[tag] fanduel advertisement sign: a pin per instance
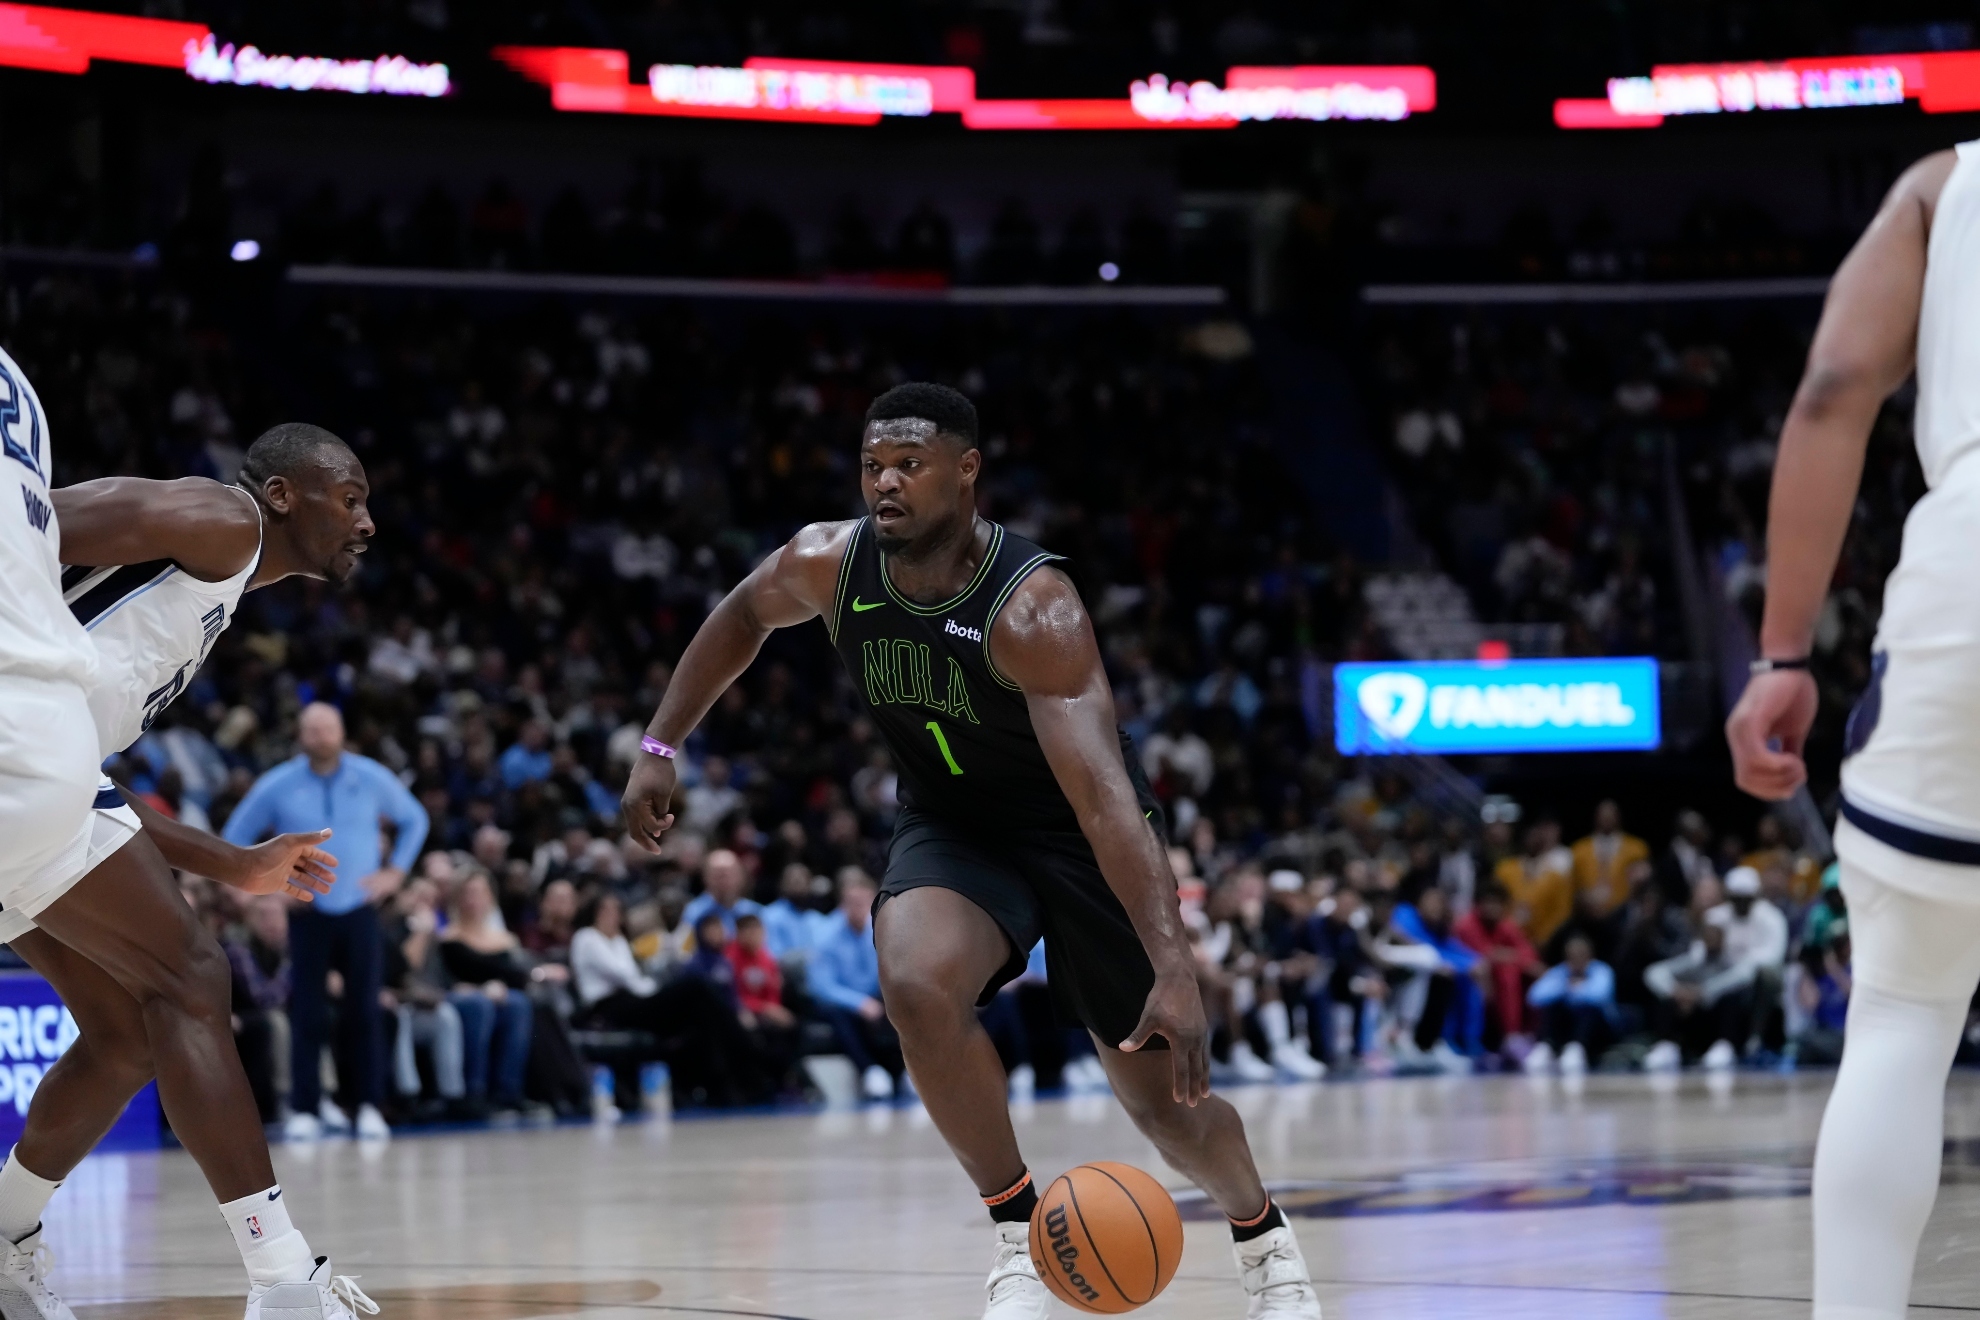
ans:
(1503, 706)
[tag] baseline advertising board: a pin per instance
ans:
(1497, 706)
(36, 1030)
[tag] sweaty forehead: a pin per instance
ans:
(901, 431)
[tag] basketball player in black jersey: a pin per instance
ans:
(1021, 819)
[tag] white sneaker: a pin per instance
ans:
(877, 1083)
(1014, 1288)
(1086, 1075)
(371, 1125)
(24, 1294)
(323, 1296)
(1247, 1065)
(1722, 1057)
(302, 1128)
(1448, 1060)
(1574, 1060)
(1664, 1057)
(1539, 1060)
(1275, 1279)
(336, 1122)
(1293, 1059)
(1023, 1082)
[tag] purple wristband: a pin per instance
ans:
(655, 746)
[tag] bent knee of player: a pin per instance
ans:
(192, 979)
(924, 995)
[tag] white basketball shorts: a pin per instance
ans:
(52, 833)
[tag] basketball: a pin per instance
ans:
(1106, 1238)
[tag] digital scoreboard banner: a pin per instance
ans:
(1452, 706)
(1941, 82)
(35, 1031)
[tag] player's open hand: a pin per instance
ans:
(649, 792)
(1766, 732)
(1174, 1012)
(289, 864)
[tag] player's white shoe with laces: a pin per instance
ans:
(1276, 1283)
(322, 1296)
(24, 1294)
(1015, 1292)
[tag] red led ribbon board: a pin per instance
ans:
(1942, 82)
(844, 92)
(66, 40)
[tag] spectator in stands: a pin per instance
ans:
(722, 880)
(547, 932)
(1420, 939)
(259, 957)
(354, 796)
(1688, 860)
(1266, 967)
(1511, 964)
(759, 983)
(707, 803)
(1576, 1001)
(528, 759)
(1655, 929)
(1704, 1002)
(690, 1022)
(491, 980)
(418, 993)
(1824, 993)
(790, 923)
(1756, 939)
(1605, 863)
(1350, 983)
(1540, 882)
(710, 959)
(845, 988)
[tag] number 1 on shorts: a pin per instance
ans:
(943, 743)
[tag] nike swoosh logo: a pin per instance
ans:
(861, 609)
(275, 1195)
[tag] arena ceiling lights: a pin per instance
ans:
(1942, 82)
(838, 92)
(69, 40)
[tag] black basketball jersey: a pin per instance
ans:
(960, 731)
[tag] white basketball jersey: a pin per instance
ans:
(38, 637)
(1947, 421)
(153, 625)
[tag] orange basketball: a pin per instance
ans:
(1106, 1238)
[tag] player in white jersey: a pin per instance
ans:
(1908, 296)
(149, 987)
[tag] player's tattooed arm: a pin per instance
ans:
(210, 530)
(793, 585)
(1043, 641)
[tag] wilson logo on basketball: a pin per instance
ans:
(1066, 1254)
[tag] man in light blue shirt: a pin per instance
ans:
(722, 881)
(528, 759)
(354, 796)
(1577, 1009)
(844, 982)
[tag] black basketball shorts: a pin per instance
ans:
(1035, 884)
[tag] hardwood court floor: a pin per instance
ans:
(1491, 1197)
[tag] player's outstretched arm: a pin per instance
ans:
(1864, 349)
(1043, 641)
(288, 863)
(794, 584)
(210, 530)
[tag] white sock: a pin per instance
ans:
(271, 1248)
(23, 1196)
(1272, 1016)
(1877, 1161)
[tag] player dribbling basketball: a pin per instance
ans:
(1021, 820)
